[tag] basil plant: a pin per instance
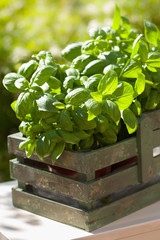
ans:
(96, 98)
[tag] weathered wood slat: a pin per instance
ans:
(156, 138)
(155, 117)
(88, 220)
(124, 206)
(87, 192)
(50, 209)
(83, 162)
(145, 149)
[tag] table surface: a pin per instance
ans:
(17, 224)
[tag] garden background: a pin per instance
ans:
(28, 26)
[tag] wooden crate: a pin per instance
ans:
(90, 189)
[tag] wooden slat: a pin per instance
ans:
(123, 207)
(48, 181)
(88, 220)
(155, 116)
(85, 192)
(156, 138)
(145, 149)
(83, 162)
(50, 209)
(113, 183)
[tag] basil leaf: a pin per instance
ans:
(68, 137)
(151, 32)
(116, 18)
(136, 108)
(153, 60)
(132, 69)
(25, 105)
(65, 121)
(130, 120)
(43, 74)
(42, 145)
(14, 82)
(97, 33)
(94, 108)
(27, 69)
(86, 143)
(80, 117)
(111, 109)
(77, 96)
(143, 52)
(45, 103)
(72, 51)
(139, 84)
(102, 123)
(123, 95)
(136, 45)
(153, 100)
(97, 96)
(57, 151)
(108, 83)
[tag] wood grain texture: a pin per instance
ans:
(83, 162)
(87, 220)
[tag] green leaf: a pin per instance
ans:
(80, 117)
(97, 96)
(25, 105)
(14, 82)
(27, 69)
(143, 52)
(65, 121)
(153, 60)
(139, 84)
(108, 83)
(95, 67)
(43, 74)
(86, 143)
(126, 23)
(111, 109)
(81, 61)
(151, 32)
(92, 82)
(94, 108)
(45, 103)
(42, 146)
(54, 82)
(97, 33)
(153, 100)
(123, 95)
(116, 18)
(57, 151)
(136, 45)
(130, 120)
(136, 108)
(77, 96)
(109, 136)
(68, 137)
(102, 123)
(132, 69)
(72, 51)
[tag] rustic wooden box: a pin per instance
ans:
(90, 189)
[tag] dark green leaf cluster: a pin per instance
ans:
(112, 78)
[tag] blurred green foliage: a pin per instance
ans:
(28, 26)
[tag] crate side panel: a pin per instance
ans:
(50, 209)
(48, 181)
(82, 162)
(123, 207)
(112, 154)
(116, 182)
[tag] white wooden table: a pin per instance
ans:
(17, 224)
